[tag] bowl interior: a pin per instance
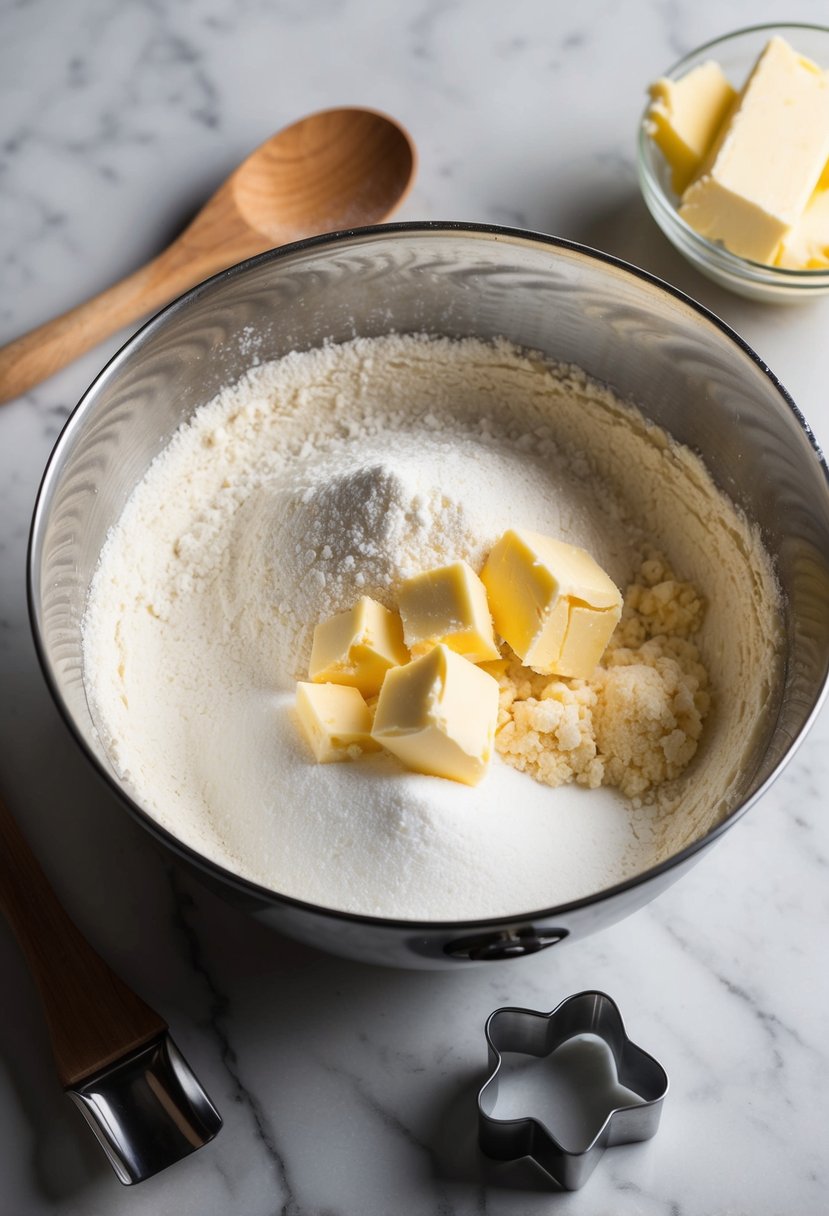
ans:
(685, 370)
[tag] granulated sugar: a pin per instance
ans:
(340, 472)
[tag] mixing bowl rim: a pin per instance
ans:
(344, 238)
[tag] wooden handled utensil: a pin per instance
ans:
(114, 1055)
(340, 168)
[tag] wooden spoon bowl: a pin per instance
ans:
(337, 169)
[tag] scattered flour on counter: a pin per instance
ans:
(339, 472)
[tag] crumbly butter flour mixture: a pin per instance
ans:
(342, 471)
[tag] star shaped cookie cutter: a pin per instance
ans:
(539, 1034)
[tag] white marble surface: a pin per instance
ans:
(349, 1090)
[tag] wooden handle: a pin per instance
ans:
(215, 239)
(93, 1017)
(45, 350)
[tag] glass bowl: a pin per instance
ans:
(736, 54)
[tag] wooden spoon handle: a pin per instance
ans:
(93, 1017)
(45, 350)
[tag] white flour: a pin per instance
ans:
(354, 522)
(340, 472)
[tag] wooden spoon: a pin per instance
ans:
(335, 169)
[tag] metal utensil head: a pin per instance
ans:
(147, 1110)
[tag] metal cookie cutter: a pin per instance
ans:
(539, 1034)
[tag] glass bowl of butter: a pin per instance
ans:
(734, 160)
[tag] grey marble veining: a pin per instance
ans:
(349, 1090)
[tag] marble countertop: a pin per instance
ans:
(347, 1089)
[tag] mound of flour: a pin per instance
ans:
(339, 472)
(306, 545)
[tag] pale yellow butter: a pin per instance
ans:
(686, 115)
(438, 715)
(447, 605)
(551, 601)
(336, 721)
(497, 668)
(758, 177)
(806, 247)
(358, 647)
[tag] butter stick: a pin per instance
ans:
(763, 168)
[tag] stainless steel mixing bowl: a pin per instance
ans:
(685, 369)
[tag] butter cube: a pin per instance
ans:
(552, 602)
(358, 647)
(438, 715)
(447, 605)
(686, 115)
(336, 721)
(765, 163)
